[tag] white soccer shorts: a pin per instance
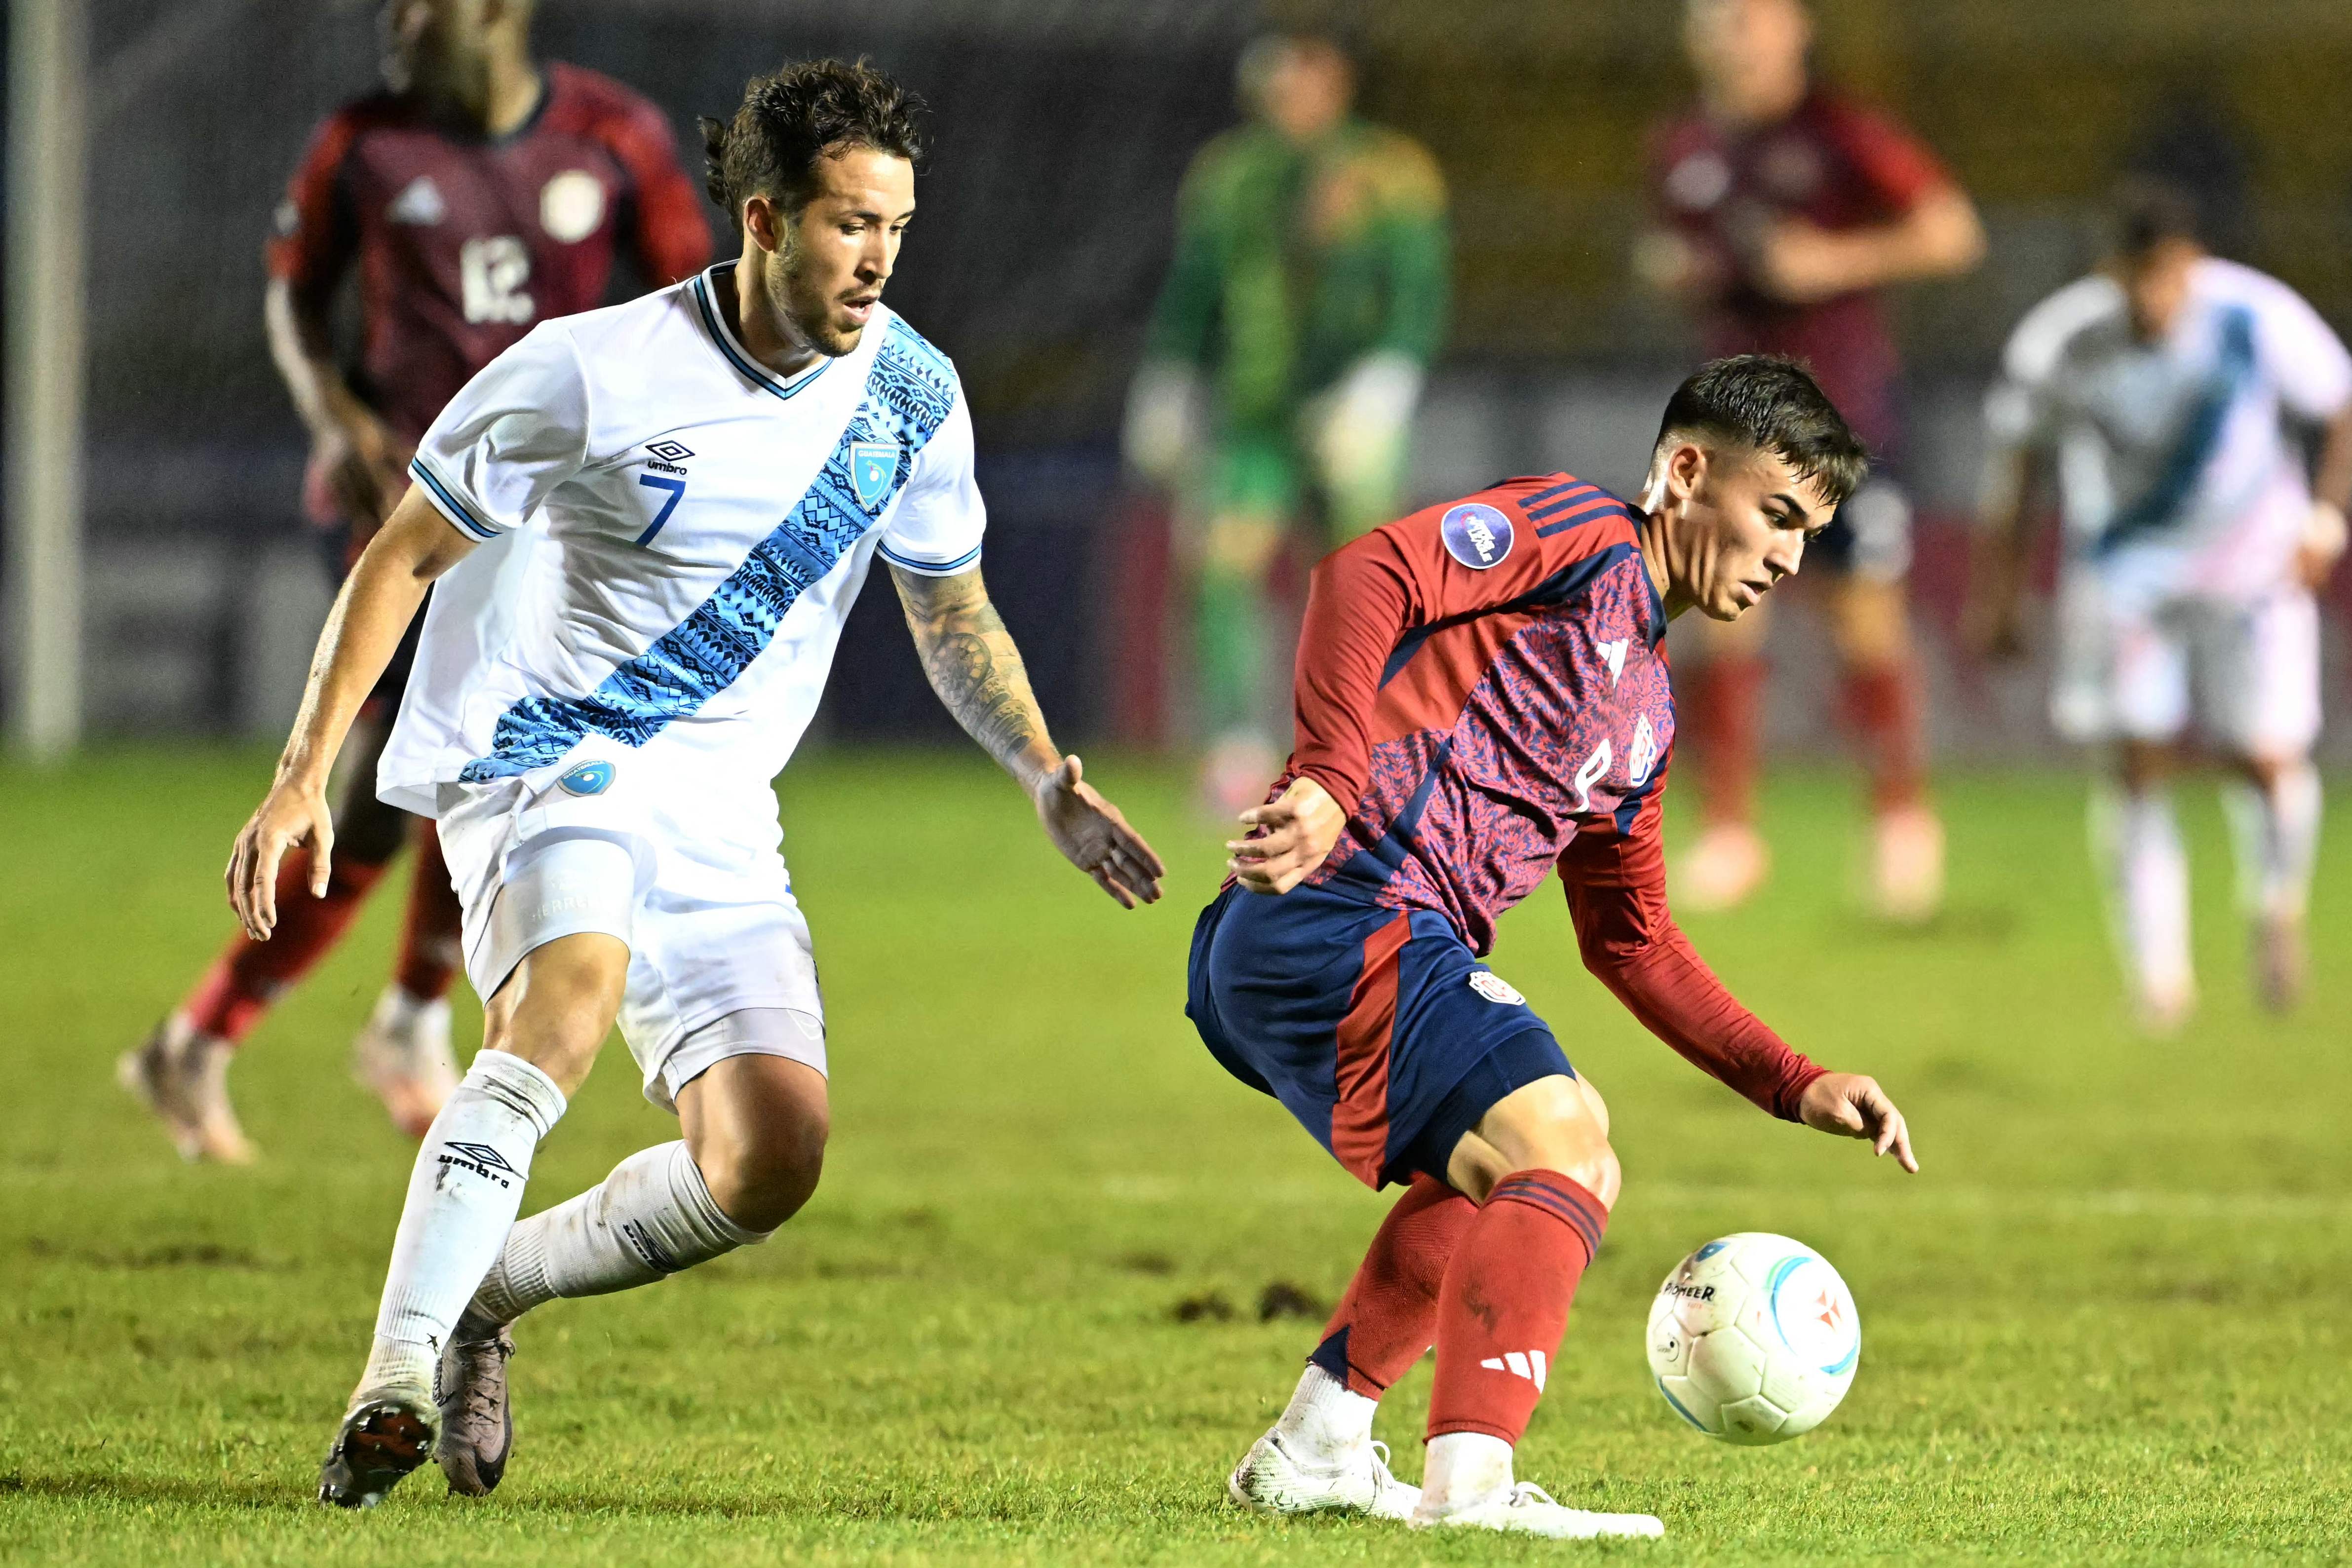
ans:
(720, 957)
(2247, 671)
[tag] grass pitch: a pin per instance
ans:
(1020, 1322)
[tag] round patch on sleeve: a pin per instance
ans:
(1477, 535)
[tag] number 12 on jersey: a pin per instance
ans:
(677, 489)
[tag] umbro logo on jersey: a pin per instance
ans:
(1477, 535)
(668, 455)
(481, 1159)
(419, 202)
(1527, 1364)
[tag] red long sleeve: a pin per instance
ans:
(1362, 600)
(1617, 895)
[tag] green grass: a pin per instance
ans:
(2106, 1325)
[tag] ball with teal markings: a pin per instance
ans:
(1754, 1339)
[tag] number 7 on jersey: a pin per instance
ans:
(677, 489)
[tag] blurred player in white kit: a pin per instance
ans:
(2196, 537)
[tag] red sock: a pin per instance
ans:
(430, 940)
(1505, 1303)
(1882, 704)
(1388, 1319)
(248, 975)
(1722, 722)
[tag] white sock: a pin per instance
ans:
(462, 1198)
(1327, 1423)
(651, 1217)
(1464, 1468)
(2275, 832)
(2136, 842)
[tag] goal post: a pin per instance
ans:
(47, 135)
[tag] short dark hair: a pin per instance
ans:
(1767, 402)
(813, 109)
(2147, 213)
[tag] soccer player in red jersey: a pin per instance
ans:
(477, 193)
(1782, 208)
(1482, 696)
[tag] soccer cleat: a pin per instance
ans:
(476, 1422)
(2279, 962)
(1270, 1480)
(387, 1433)
(1527, 1509)
(1907, 866)
(1723, 869)
(181, 1075)
(402, 1056)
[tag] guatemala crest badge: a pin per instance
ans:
(872, 465)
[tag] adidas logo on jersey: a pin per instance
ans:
(1614, 655)
(1529, 1364)
(419, 202)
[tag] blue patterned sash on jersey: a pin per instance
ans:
(2199, 439)
(909, 392)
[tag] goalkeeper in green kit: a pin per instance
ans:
(1307, 296)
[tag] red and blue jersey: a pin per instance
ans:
(1482, 686)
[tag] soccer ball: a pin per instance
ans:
(1754, 1339)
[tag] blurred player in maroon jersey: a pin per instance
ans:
(1781, 208)
(476, 194)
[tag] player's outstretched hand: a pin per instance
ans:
(1854, 1107)
(1091, 833)
(291, 813)
(1287, 838)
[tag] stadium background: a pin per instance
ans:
(1027, 1317)
(1062, 130)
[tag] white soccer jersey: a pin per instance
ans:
(674, 537)
(2176, 472)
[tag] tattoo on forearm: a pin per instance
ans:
(976, 671)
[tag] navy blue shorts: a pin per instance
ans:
(1378, 1029)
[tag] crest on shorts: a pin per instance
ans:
(588, 779)
(1496, 988)
(1477, 535)
(872, 465)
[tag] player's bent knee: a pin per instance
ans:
(757, 1126)
(1556, 1123)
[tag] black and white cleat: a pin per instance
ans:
(385, 1434)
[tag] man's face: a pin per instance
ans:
(2155, 286)
(1747, 52)
(438, 47)
(840, 249)
(1746, 519)
(1306, 89)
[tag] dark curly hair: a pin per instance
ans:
(1766, 402)
(788, 121)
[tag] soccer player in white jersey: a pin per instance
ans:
(648, 523)
(2196, 536)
